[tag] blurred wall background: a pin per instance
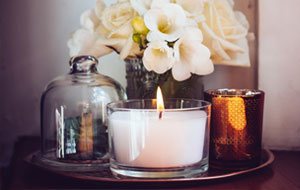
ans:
(279, 68)
(33, 51)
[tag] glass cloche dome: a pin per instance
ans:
(73, 117)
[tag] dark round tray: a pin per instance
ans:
(104, 174)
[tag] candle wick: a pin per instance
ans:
(160, 114)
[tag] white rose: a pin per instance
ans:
(141, 6)
(85, 41)
(225, 33)
(158, 57)
(115, 27)
(192, 7)
(192, 57)
(165, 22)
(89, 20)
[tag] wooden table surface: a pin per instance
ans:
(284, 173)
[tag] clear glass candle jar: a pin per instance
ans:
(145, 143)
(73, 116)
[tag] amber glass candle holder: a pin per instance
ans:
(236, 128)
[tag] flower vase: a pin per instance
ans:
(142, 84)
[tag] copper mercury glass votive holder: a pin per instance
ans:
(236, 128)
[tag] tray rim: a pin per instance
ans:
(76, 175)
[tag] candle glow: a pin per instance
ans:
(237, 113)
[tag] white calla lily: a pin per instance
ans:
(165, 22)
(192, 57)
(158, 57)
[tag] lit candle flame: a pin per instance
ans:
(160, 102)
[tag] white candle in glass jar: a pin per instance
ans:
(141, 139)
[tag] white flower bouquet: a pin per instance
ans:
(184, 36)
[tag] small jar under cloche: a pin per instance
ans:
(73, 117)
